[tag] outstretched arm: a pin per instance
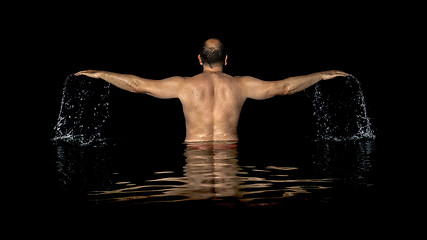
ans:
(166, 88)
(258, 89)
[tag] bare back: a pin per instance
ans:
(212, 102)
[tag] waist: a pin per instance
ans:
(212, 145)
(228, 141)
(210, 136)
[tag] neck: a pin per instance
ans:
(212, 69)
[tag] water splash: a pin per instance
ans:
(342, 115)
(84, 111)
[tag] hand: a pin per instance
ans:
(90, 73)
(326, 75)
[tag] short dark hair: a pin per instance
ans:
(213, 55)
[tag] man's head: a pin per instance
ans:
(213, 53)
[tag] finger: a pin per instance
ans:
(344, 74)
(81, 73)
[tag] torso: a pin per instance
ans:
(212, 103)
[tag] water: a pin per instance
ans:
(84, 111)
(341, 114)
(336, 167)
(304, 173)
(214, 173)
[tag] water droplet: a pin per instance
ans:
(342, 115)
(83, 112)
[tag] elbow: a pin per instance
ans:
(288, 90)
(132, 88)
(137, 88)
(134, 85)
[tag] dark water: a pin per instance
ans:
(228, 175)
(336, 167)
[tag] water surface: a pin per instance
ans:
(301, 172)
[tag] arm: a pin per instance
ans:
(166, 88)
(260, 90)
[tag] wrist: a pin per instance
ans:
(323, 76)
(318, 76)
(102, 74)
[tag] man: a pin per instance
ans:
(212, 100)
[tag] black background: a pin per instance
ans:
(270, 42)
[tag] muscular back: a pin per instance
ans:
(212, 102)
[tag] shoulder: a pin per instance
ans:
(248, 80)
(174, 78)
(193, 78)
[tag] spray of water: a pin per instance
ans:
(84, 111)
(341, 116)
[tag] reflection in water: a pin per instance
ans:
(211, 171)
(82, 168)
(215, 173)
(358, 157)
